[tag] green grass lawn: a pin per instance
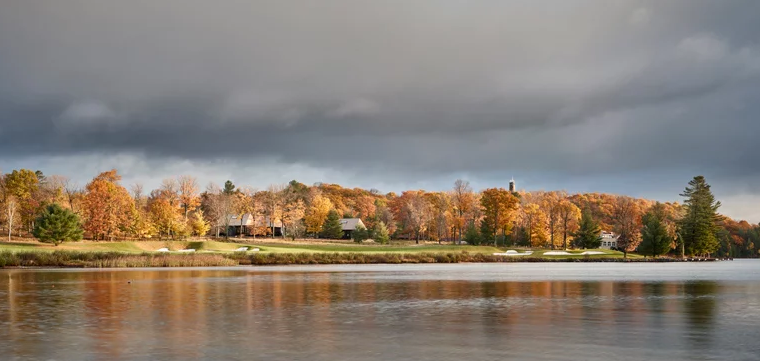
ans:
(18, 246)
(213, 246)
(126, 247)
(321, 248)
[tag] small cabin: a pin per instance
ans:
(348, 225)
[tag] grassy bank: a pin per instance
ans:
(120, 246)
(397, 258)
(228, 246)
(76, 259)
(208, 252)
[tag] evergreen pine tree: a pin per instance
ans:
(472, 236)
(57, 225)
(655, 239)
(360, 234)
(699, 226)
(380, 233)
(588, 235)
(486, 231)
(229, 188)
(332, 228)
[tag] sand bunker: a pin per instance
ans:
(565, 253)
(514, 253)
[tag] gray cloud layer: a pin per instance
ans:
(419, 89)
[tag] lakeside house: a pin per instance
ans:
(249, 225)
(349, 226)
(609, 240)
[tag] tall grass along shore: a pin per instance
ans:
(76, 259)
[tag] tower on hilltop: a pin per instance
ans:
(512, 187)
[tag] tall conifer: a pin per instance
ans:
(332, 227)
(588, 235)
(655, 239)
(699, 225)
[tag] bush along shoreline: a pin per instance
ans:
(74, 259)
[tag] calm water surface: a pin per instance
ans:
(598, 311)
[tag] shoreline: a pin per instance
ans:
(74, 259)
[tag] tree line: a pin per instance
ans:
(178, 208)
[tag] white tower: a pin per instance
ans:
(512, 187)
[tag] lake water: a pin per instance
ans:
(531, 311)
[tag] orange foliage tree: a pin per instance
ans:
(499, 206)
(107, 207)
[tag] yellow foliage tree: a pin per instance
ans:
(188, 194)
(198, 224)
(569, 215)
(317, 213)
(535, 224)
(165, 216)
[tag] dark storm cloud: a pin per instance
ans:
(439, 87)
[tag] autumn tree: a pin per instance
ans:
(440, 203)
(165, 216)
(188, 194)
(499, 206)
(588, 235)
(73, 193)
(464, 202)
(138, 195)
(20, 187)
(273, 205)
(249, 201)
(217, 206)
(551, 205)
(107, 206)
(332, 228)
(366, 209)
(700, 223)
(169, 190)
(600, 206)
(535, 225)
(569, 214)
(292, 217)
(9, 209)
(240, 207)
(655, 239)
(142, 225)
(198, 224)
(627, 224)
(385, 215)
(317, 213)
(416, 211)
(51, 191)
(57, 225)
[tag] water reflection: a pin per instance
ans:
(700, 306)
(237, 314)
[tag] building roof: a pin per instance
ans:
(248, 220)
(234, 219)
(350, 224)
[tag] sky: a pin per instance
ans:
(626, 97)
